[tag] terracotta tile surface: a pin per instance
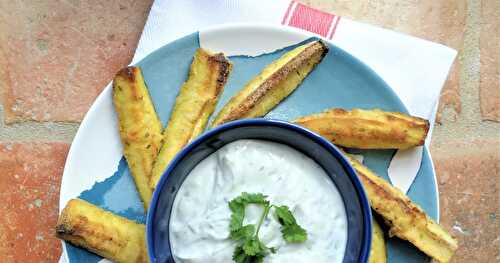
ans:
(439, 21)
(490, 60)
(29, 189)
(468, 178)
(58, 55)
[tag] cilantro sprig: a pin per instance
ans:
(250, 249)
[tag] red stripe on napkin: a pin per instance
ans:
(285, 18)
(334, 27)
(310, 19)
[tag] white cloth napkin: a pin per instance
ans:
(414, 68)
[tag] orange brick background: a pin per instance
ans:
(57, 55)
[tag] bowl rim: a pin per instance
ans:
(330, 147)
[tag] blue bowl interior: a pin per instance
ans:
(323, 152)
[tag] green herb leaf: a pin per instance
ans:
(254, 247)
(237, 215)
(247, 198)
(243, 233)
(284, 215)
(239, 256)
(292, 232)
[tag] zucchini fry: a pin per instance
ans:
(193, 106)
(368, 129)
(407, 220)
(104, 233)
(378, 252)
(140, 128)
(278, 80)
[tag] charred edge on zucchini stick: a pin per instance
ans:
(193, 106)
(140, 128)
(101, 232)
(406, 219)
(368, 129)
(273, 84)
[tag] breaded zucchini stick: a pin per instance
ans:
(407, 220)
(273, 84)
(368, 129)
(378, 253)
(193, 106)
(104, 233)
(140, 128)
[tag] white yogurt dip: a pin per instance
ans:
(199, 223)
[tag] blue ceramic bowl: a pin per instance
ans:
(323, 152)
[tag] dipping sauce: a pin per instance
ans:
(199, 223)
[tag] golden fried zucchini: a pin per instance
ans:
(273, 84)
(407, 220)
(368, 129)
(104, 233)
(378, 253)
(140, 128)
(193, 106)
